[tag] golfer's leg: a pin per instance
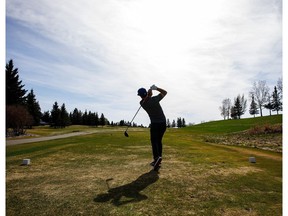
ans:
(153, 138)
(161, 131)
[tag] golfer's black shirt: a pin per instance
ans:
(152, 106)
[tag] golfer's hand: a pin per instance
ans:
(153, 87)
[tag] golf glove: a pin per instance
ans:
(153, 87)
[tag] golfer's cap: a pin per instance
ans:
(142, 92)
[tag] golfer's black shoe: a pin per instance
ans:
(157, 163)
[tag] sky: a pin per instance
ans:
(94, 55)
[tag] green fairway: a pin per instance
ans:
(108, 174)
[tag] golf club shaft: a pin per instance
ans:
(133, 118)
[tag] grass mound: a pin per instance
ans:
(262, 132)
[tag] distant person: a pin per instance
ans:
(158, 120)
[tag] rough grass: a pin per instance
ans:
(262, 132)
(109, 174)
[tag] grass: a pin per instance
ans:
(109, 174)
(50, 131)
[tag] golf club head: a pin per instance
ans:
(126, 134)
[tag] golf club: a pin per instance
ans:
(125, 133)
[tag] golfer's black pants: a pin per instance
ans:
(157, 131)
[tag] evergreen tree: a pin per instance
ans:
(173, 125)
(33, 107)
(168, 124)
(276, 101)
(269, 104)
(102, 120)
(253, 107)
(64, 117)
(239, 107)
(46, 117)
(233, 113)
(179, 122)
(15, 94)
(55, 115)
(183, 122)
(85, 118)
(96, 119)
(76, 117)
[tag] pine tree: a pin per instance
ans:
(46, 117)
(102, 120)
(183, 122)
(253, 107)
(56, 115)
(15, 94)
(96, 119)
(64, 117)
(76, 117)
(239, 107)
(33, 107)
(173, 125)
(168, 124)
(179, 122)
(276, 101)
(269, 104)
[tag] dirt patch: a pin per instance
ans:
(270, 142)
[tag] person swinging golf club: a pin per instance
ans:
(158, 120)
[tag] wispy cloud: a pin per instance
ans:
(103, 51)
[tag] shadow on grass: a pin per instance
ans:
(130, 192)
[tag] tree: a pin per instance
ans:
(168, 124)
(55, 115)
(33, 107)
(46, 117)
(260, 91)
(76, 117)
(239, 107)
(17, 117)
(179, 122)
(276, 101)
(269, 105)
(15, 94)
(183, 122)
(102, 120)
(173, 125)
(279, 88)
(225, 108)
(253, 107)
(64, 117)
(96, 119)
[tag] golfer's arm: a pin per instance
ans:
(162, 91)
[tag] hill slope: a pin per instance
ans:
(261, 132)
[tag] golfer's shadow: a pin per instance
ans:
(129, 192)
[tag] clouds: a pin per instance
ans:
(201, 52)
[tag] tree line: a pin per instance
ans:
(260, 97)
(180, 122)
(59, 117)
(23, 110)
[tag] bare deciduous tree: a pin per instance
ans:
(225, 108)
(260, 90)
(17, 118)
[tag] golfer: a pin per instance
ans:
(158, 120)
